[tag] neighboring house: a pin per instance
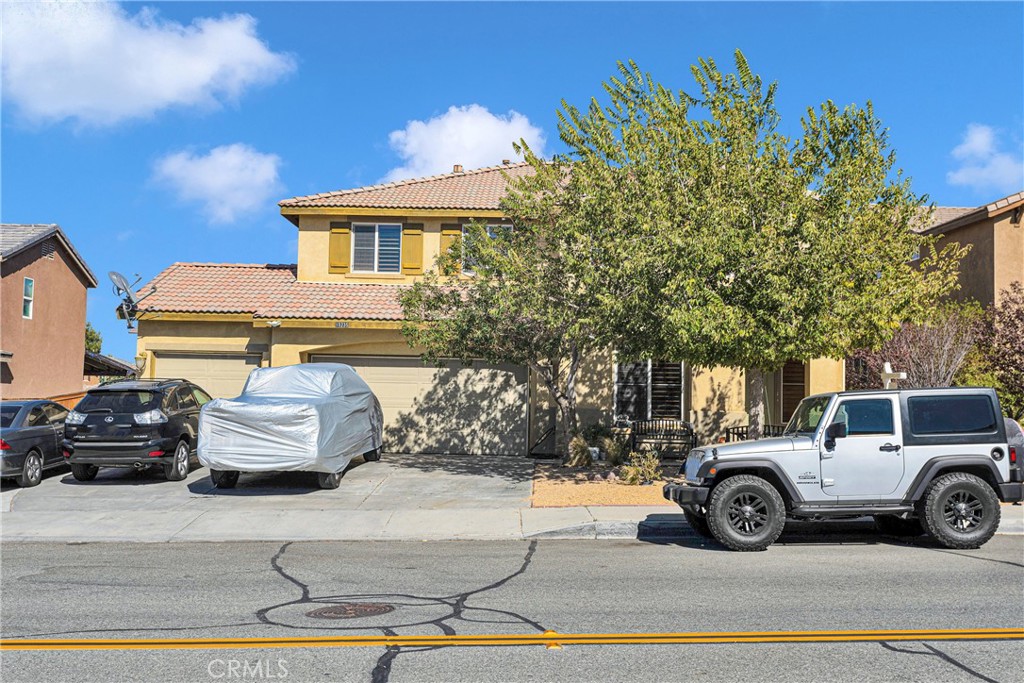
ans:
(99, 367)
(996, 236)
(213, 323)
(43, 299)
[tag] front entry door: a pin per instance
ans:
(868, 462)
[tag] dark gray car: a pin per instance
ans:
(31, 433)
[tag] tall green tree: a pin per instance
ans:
(690, 227)
(754, 246)
(93, 339)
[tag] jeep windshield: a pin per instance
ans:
(119, 402)
(807, 416)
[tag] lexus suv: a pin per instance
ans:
(138, 424)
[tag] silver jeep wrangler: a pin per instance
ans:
(918, 460)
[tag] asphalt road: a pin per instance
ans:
(819, 582)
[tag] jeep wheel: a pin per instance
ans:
(891, 525)
(84, 472)
(698, 522)
(177, 469)
(746, 513)
(960, 510)
(224, 479)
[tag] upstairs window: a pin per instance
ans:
(468, 264)
(649, 390)
(28, 298)
(376, 248)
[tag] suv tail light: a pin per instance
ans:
(4, 446)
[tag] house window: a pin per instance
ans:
(28, 297)
(649, 390)
(468, 265)
(376, 248)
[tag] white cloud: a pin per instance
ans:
(982, 166)
(471, 136)
(229, 182)
(97, 64)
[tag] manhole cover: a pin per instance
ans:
(351, 610)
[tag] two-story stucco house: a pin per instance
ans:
(43, 301)
(357, 248)
(996, 236)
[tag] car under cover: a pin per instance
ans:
(313, 417)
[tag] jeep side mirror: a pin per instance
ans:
(836, 430)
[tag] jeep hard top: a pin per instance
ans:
(917, 460)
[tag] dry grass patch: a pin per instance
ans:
(555, 486)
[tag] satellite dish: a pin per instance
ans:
(129, 307)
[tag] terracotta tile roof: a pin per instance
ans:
(482, 188)
(948, 218)
(266, 291)
(941, 216)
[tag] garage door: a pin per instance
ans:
(221, 375)
(481, 409)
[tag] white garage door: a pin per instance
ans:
(480, 409)
(221, 375)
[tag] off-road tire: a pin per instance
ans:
(329, 480)
(699, 523)
(177, 469)
(84, 472)
(960, 510)
(746, 513)
(372, 456)
(224, 479)
(891, 525)
(31, 471)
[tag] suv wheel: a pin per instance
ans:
(330, 480)
(224, 479)
(84, 472)
(746, 513)
(892, 525)
(31, 471)
(960, 510)
(177, 470)
(698, 522)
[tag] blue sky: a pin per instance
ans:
(166, 132)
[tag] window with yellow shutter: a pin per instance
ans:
(340, 247)
(412, 249)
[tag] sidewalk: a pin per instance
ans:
(409, 498)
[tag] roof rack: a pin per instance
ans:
(154, 380)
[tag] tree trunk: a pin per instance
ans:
(756, 378)
(565, 399)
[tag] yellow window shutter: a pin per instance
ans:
(340, 249)
(450, 234)
(412, 249)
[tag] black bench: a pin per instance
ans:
(743, 433)
(671, 432)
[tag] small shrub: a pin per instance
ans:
(579, 453)
(595, 433)
(616, 448)
(643, 468)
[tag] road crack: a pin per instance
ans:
(456, 608)
(935, 652)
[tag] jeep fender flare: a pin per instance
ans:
(932, 467)
(725, 466)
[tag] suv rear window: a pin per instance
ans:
(963, 414)
(119, 402)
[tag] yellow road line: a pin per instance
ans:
(548, 638)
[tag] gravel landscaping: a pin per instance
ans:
(556, 486)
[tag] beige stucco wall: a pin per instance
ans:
(49, 348)
(822, 375)
(161, 334)
(717, 400)
(1009, 252)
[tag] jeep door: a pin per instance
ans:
(866, 463)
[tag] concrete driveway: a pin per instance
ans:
(395, 497)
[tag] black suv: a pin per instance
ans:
(135, 423)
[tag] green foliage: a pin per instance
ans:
(595, 432)
(1002, 349)
(93, 339)
(643, 467)
(579, 453)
